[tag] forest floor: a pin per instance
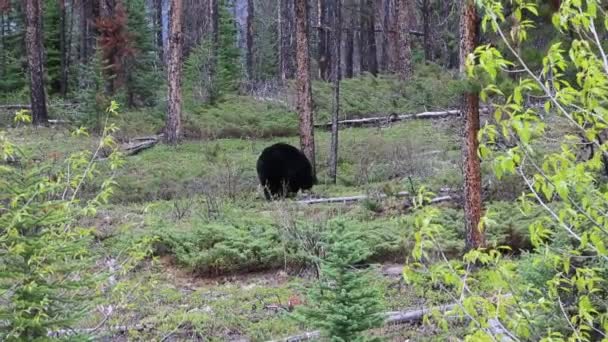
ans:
(230, 266)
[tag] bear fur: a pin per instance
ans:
(283, 170)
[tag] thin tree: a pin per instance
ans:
(335, 78)
(63, 53)
(470, 108)
(369, 60)
(33, 45)
(173, 125)
(285, 26)
(249, 57)
(303, 85)
(324, 50)
(158, 8)
(349, 45)
(426, 8)
(405, 17)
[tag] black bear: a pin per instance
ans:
(283, 170)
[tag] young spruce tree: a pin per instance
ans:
(344, 303)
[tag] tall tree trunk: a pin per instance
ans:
(87, 13)
(470, 108)
(426, 29)
(335, 78)
(173, 125)
(2, 44)
(250, 18)
(369, 61)
(303, 86)
(63, 56)
(83, 31)
(394, 36)
(349, 48)
(405, 16)
(158, 8)
(33, 44)
(286, 18)
(324, 54)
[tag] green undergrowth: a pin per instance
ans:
(214, 236)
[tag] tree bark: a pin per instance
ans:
(335, 75)
(324, 52)
(63, 81)
(250, 17)
(303, 85)
(405, 16)
(173, 125)
(349, 49)
(383, 19)
(426, 29)
(158, 7)
(470, 108)
(369, 59)
(33, 44)
(392, 24)
(286, 18)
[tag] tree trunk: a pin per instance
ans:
(369, 61)
(158, 7)
(250, 17)
(392, 26)
(303, 86)
(33, 44)
(405, 16)
(384, 28)
(335, 75)
(286, 18)
(348, 50)
(173, 125)
(426, 30)
(87, 13)
(63, 81)
(470, 109)
(2, 43)
(324, 54)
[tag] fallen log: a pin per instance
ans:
(14, 107)
(349, 199)
(392, 317)
(136, 145)
(59, 122)
(357, 198)
(415, 316)
(384, 118)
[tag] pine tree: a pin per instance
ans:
(52, 47)
(344, 304)
(142, 77)
(229, 60)
(12, 51)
